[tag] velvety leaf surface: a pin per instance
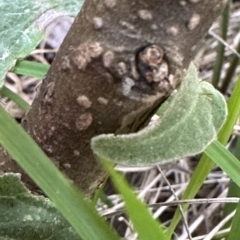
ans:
(188, 125)
(22, 23)
(24, 216)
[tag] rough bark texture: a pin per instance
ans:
(119, 62)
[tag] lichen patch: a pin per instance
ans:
(67, 165)
(84, 121)
(102, 100)
(154, 26)
(182, 3)
(84, 54)
(76, 152)
(145, 14)
(94, 49)
(194, 21)
(127, 85)
(108, 58)
(193, 1)
(97, 23)
(121, 68)
(127, 25)
(50, 91)
(161, 72)
(173, 31)
(65, 63)
(110, 3)
(84, 101)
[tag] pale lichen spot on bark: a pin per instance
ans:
(194, 1)
(193, 48)
(50, 133)
(50, 89)
(76, 152)
(182, 3)
(97, 23)
(48, 149)
(166, 85)
(161, 72)
(84, 101)
(127, 25)
(110, 3)
(94, 49)
(65, 63)
(121, 68)
(49, 94)
(39, 140)
(108, 58)
(84, 121)
(127, 85)
(84, 53)
(173, 31)
(102, 100)
(154, 26)
(194, 21)
(145, 14)
(67, 165)
(171, 79)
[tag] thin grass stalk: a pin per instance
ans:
(221, 48)
(233, 189)
(230, 72)
(6, 92)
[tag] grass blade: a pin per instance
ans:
(32, 69)
(233, 189)
(143, 222)
(231, 165)
(225, 160)
(15, 98)
(70, 202)
(235, 229)
(205, 164)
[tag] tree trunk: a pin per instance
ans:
(119, 62)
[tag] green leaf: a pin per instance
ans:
(225, 160)
(67, 199)
(15, 98)
(21, 26)
(143, 222)
(231, 165)
(205, 164)
(233, 188)
(24, 216)
(188, 125)
(32, 69)
(235, 229)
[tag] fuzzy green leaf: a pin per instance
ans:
(21, 26)
(24, 216)
(188, 125)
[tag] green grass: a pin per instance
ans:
(206, 164)
(69, 201)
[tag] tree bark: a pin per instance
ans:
(117, 65)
